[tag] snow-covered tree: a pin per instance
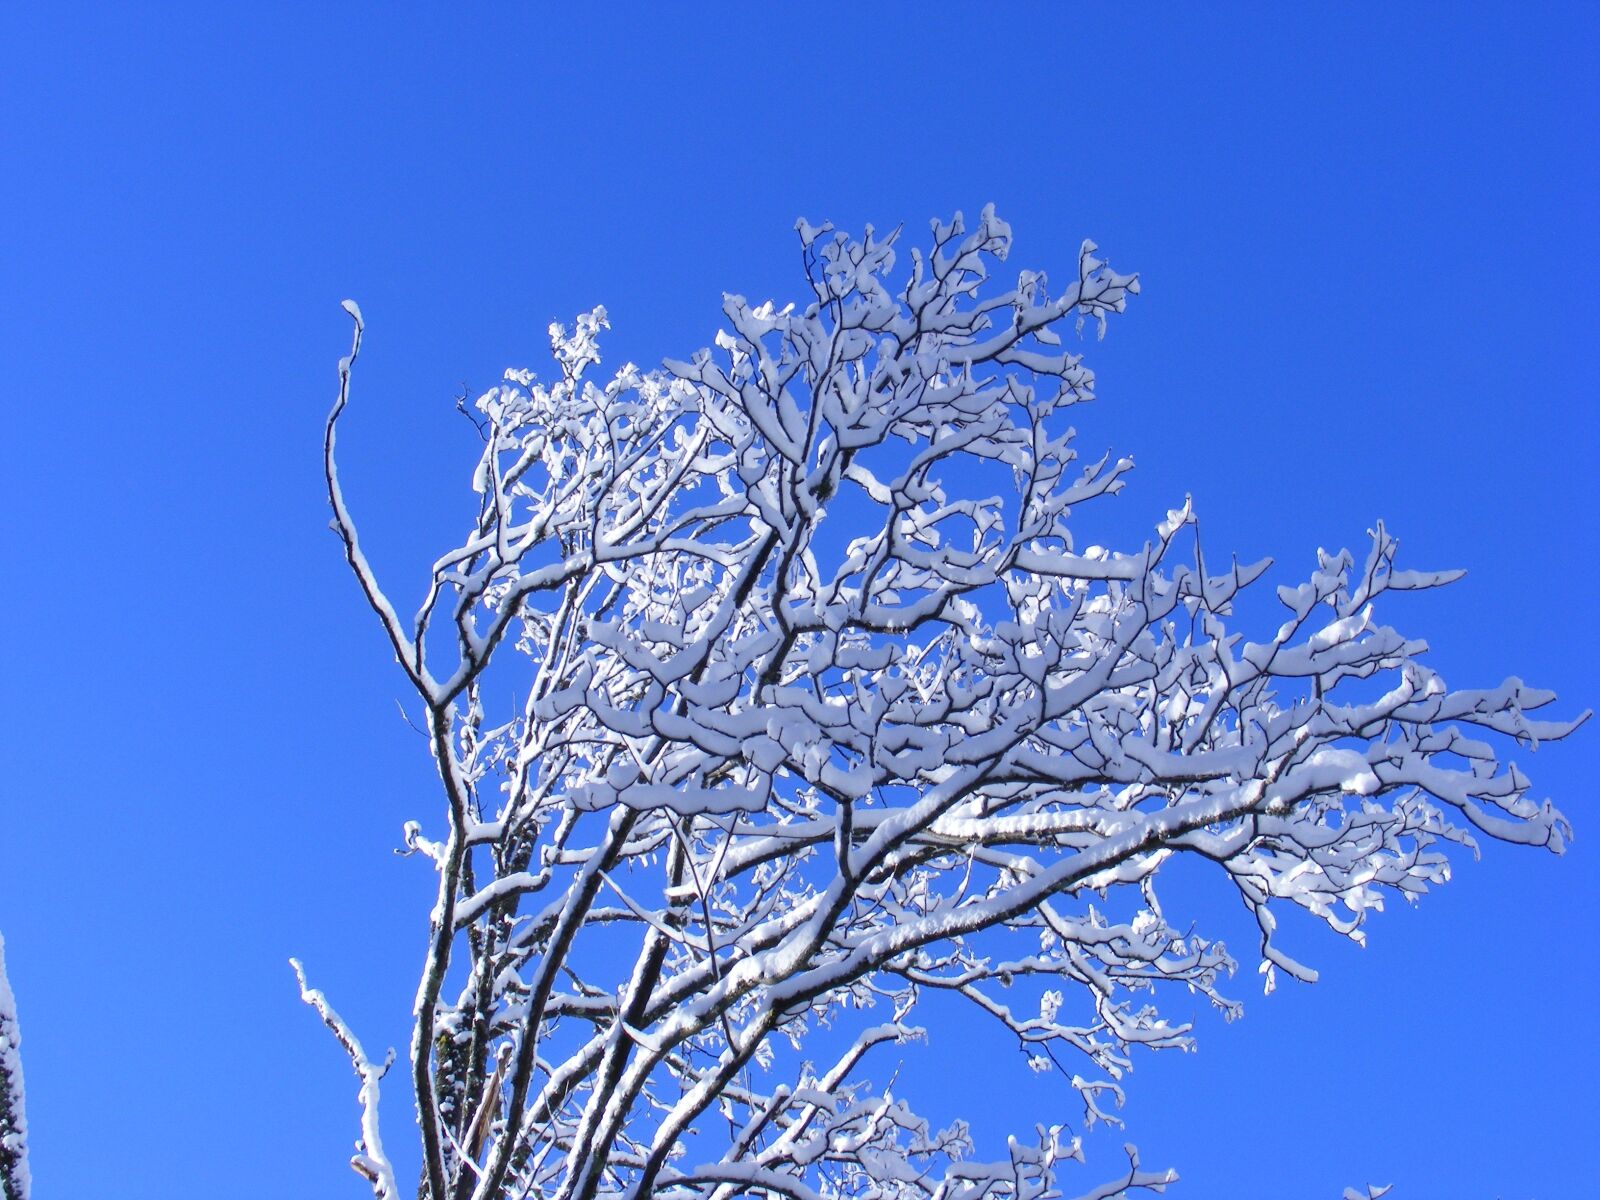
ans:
(820, 709)
(13, 1119)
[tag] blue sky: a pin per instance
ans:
(1368, 252)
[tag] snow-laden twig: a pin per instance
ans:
(369, 1161)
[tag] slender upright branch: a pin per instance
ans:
(370, 1162)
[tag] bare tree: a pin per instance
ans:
(820, 710)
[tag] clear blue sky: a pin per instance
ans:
(1368, 243)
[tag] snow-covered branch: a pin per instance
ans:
(369, 1162)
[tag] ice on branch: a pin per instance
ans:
(820, 709)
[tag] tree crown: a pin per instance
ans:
(821, 708)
